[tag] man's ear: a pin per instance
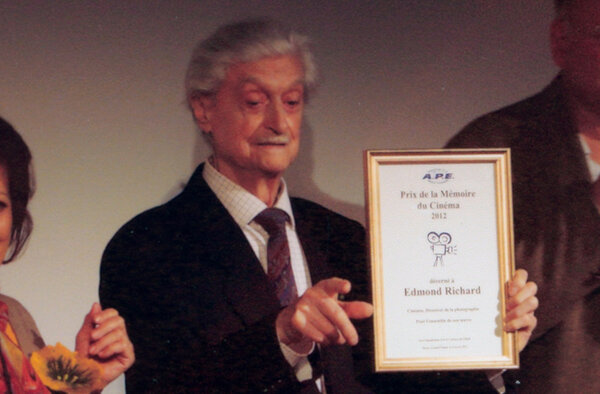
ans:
(201, 108)
(559, 41)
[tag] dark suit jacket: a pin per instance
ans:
(557, 233)
(198, 306)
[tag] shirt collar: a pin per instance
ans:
(593, 167)
(242, 205)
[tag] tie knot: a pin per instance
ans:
(272, 220)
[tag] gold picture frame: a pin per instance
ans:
(441, 250)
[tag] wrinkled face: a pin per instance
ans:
(5, 214)
(575, 43)
(254, 119)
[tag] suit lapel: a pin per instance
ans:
(314, 232)
(245, 286)
(312, 239)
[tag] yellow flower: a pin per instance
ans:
(66, 371)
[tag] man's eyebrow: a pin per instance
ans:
(246, 80)
(256, 81)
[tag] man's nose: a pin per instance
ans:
(275, 118)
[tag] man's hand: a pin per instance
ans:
(520, 307)
(318, 316)
(103, 337)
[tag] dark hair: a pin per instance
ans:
(15, 157)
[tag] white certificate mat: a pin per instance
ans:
(441, 249)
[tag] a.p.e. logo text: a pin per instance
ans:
(438, 175)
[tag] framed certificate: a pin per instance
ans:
(441, 251)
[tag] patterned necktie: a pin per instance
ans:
(279, 268)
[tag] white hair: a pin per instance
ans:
(244, 42)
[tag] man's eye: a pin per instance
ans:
(293, 103)
(253, 103)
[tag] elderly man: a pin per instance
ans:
(554, 137)
(233, 286)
